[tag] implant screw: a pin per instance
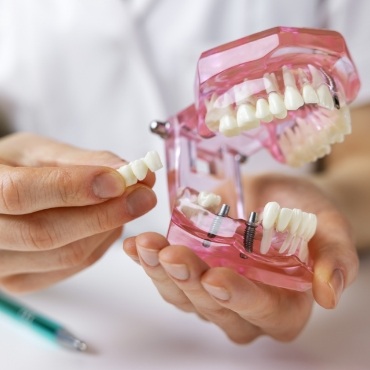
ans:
(223, 212)
(250, 231)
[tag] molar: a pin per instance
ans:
(208, 200)
(246, 117)
(137, 170)
(228, 125)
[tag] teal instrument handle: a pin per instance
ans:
(45, 326)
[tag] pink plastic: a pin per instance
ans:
(201, 158)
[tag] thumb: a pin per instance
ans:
(336, 260)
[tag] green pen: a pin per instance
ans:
(49, 328)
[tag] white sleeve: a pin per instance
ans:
(351, 19)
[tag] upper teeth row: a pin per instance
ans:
(137, 170)
(230, 122)
(300, 227)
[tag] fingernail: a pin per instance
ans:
(149, 256)
(178, 271)
(140, 201)
(108, 185)
(217, 292)
(336, 283)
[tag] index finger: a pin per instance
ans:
(27, 189)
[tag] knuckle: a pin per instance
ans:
(67, 190)
(218, 314)
(72, 256)
(180, 302)
(38, 234)
(11, 200)
(102, 220)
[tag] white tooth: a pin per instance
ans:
(285, 215)
(208, 200)
(294, 245)
(286, 243)
(266, 240)
(309, 94)
(128, 175)
(242, 91)
(228, 125)
(295, 221)
(292, 98)
(316, 77)
(270, 214)
(263, 110)
(224, 100)
(276, 105)
(153, 161)
(310, 231)
(139, 168)
(212, 119)
(325, 98)
(345, 120)
(303, 252)
(303, 225)
(246, 117)
(268, 83)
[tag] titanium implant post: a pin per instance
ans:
(250, 231)
(223, 212)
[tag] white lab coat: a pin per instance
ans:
(95, 72)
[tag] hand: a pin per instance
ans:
(244, 309)
(60, 209)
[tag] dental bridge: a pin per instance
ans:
(285, 90)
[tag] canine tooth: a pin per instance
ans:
(276, 105)
(263, 110)
(270, 214)
(292, 98)
(325, 98)
(266, 240)
(284, 217)
(208, 200)
(316, 76)
(128, 175)
(228, 125)
(153, 161)
(246, 116)
(139, 168)
(309, 94)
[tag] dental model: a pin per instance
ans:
(285, 90)
(137, 170)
